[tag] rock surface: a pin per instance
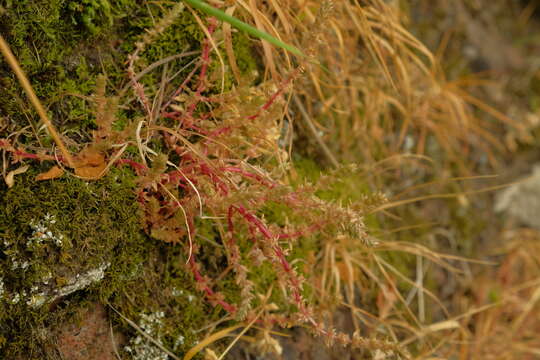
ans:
(91, 339)
(522, 200)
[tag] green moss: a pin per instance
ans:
(93, 14)
(344, 184)
(163, 284)
(99, 223)
(242, 50)
(63, 58)
(51, 51)
(53, 234)
(245, 61)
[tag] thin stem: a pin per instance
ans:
(210, 10)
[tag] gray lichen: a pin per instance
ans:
(522, 199)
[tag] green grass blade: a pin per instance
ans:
(240, 25)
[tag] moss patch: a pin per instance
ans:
(63, 58)
(59, 240)
(55, 233)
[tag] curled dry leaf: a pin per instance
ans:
(10, 178)
(90, 157)
(90, 164)
(386, 300)
(52, 173)
(90, 172)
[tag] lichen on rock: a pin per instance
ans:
(55, 242)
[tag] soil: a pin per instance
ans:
(92, 338)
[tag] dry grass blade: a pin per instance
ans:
(155, 65)
(227, 33)
(209, 340)
(315, 133)
(244, 330)
(392, 204)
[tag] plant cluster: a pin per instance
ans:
(201, 155)
(207, 154)
(221, 161)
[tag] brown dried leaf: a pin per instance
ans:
(386, 299)
(90, 172)
(10, 178)
(90, 163)
(90, 157)
(52, 173)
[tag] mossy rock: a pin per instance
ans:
(61, 239)
(68, 243)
